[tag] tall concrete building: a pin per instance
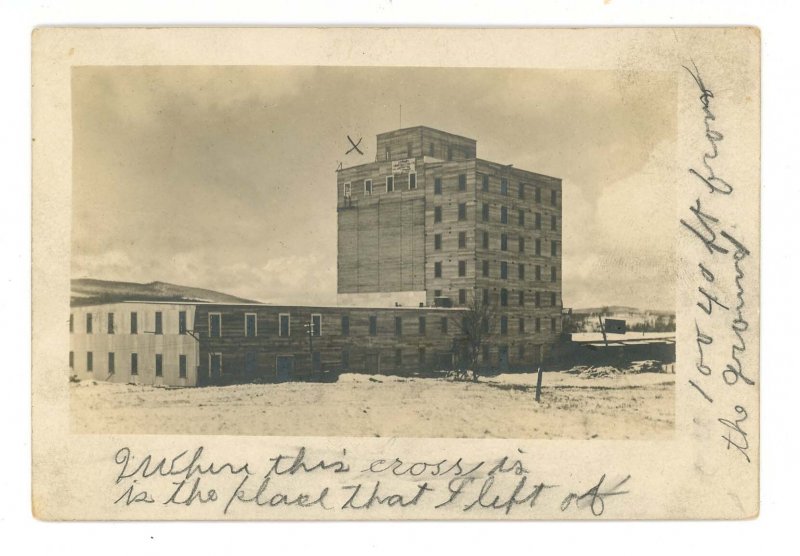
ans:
(431, 222)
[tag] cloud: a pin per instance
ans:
(224, 177)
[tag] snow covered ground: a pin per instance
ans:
(636, 406)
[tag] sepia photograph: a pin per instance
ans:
(373, 251)
(395, 274)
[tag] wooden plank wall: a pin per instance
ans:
(381, 237)
(533, 343)
(267, 344)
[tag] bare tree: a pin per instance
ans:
(475, 322)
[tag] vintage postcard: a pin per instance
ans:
(396, 273)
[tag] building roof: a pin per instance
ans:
(428, 128)
(278, 305)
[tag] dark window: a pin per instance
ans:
(412, 180)
(552, 274)
(437, 270)
(422, 326)
(437, 214)
(485, 325)
(538, 272)
(503, 215)
(398, 326)
(504, 297)
(182, 322)
(159, 323)
(485, 296)
(503, 270)
(444, 325)
(521, 271)
(521, 244)
(134, 363)
(503, 325)
(538, 324)
(431, 150)
(111, 363)
(485, 183)
(398, 357)
(553, 222)
(437, 241)
(553, 249)
(437, 186)
(521, 355)
(373, 326)
(389, 184)
(552, 299)
(462, 268)
(462, 211)
(367, 187)
(537, 299)
(521, 191)
(485, 240)
(485, 210)
(487, 354)
(88, 323)
(462, 297)
(421, 357)
(522, 298)
(71, 359)
(553, 324)
(250, 362)
(89, 361)
(554, 197)
(537, 221)
(316, 325)
(538, 194)
(485, 269)
(538, 248)
(250, 325)
(284, 325)
(521, 218)
(71, 323)
(522, 325)
(215, 325)
(409, 150)
(111, 323)
(181, 366)
(134, 323)
(437, 293)
(449, 153)
(462, 182)
(345, 325)
(215, 364)
(503, 242)
(503, 186)
(159, 364)
(462, 240)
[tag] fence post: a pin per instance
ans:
(539, 383)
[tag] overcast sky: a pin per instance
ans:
(224, 177)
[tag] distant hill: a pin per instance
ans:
(87, 291)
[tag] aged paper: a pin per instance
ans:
(396, 273)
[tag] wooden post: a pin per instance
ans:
(539, 383)
(603, 330)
